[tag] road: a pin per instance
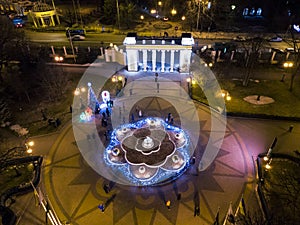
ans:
(59, 38)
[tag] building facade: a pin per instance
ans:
(158, 54)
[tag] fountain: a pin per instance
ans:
(148, 152)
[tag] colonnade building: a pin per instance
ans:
(158, 54)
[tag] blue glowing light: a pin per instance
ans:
(148, 152)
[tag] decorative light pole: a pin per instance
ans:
(198, 15)
(28, 146)
(118, 13)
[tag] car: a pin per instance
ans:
(239, 39)
(289, 49)
(276, 39)
(77, 37)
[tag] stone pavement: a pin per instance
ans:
(75, 190)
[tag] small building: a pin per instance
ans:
(158, 54)
(44, 15)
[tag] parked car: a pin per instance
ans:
(276, 39)
(239, 39)
(77, 37)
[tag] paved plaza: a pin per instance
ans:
(75, 190)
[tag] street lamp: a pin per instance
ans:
(173, 12)
(225, 94)
(142, 17)
(153, 11)
(288, 65)
(268, 165)
(58, 58)
(28, 146)
(78, 91)
(183, 18)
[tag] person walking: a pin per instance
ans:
(107, 112)
(101, 207)
(140, 113)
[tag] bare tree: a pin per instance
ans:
(10, 41)
(53, 82)
(252, 50)
(282, 191)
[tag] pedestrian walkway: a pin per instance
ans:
(76, 190)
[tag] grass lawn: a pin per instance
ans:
(287, 104)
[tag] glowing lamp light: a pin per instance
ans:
(268, 166)
(77, 92)
(142, 17)
(183, 18)
(173, 12)
(193, 81)
(288, 64)
(29, 151)
(159, 3)
(113, 79)
(210, 64)
(153, 11)
(228, 97)
(223, 94)
(58, 58)
(266, 158)
(31, 143)
(82, 89)
(188, 79)
(120, 78)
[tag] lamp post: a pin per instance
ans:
(188, 80)
(173, 12)
(58, 58)
(198, 15)
(72, 46)
(78, 91)
(118, 13)
(29, 146)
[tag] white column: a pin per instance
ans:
(52, 21)
(153, 60)
(172, 61)
(232, 55)
(272, 57)
(53, 50)
(132, 60)
(43, 22)
(145, 60)
(65, 50)
(163, 59)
